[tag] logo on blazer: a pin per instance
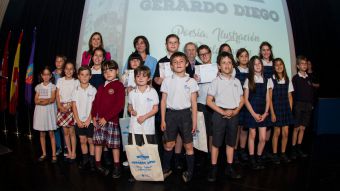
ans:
(111, 91)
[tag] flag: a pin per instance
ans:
(13, 94)
(4, 75)
(29, 73)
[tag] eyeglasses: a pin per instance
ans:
(204, 54)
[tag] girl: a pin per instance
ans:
(142, 47)
(95, 65)
(257, 101)
(242, 71)
(281, 108)
(45, 111)
(134, 61)
(95, 41)
(65, 87)
(224, 48)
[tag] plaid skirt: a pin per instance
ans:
(65, 119)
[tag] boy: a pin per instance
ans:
(107, 105)
(225, 97)
(143, 105)
(303, 105)
(179, 95)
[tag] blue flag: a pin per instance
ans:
(29, 73)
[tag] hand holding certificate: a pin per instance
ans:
(165, 70)
(206, 72)
(131, 79)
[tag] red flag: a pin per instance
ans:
(4, 75)
(14, 91)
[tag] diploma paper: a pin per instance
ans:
(206, 72)
(165, 70)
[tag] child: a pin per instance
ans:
(257, 101)
(281, 108)
(95, 41)
(65, 87)
(44, 113)
(143, 105)
(82, 98)
(303, 105)
(95, 65)
(225, 97)
(179, 95)
(107, 105)
(242, 71)
(224, 48)
(59, 64)
(134, 61)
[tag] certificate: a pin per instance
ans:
(131, 79)
(206, 72)
(165, 70)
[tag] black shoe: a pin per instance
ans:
(187, 176)
(243, 155)
(103, 171)
(84, 163)
(116, 172)
(293, 154)
(301, 154)
(235, 158)
(260, 162)
(231, 173)
(92, 164)
(212, 174)
(253, 163)
(42, 158)
(166, 173)
(275, 159)
(284, 158)
(131, 178)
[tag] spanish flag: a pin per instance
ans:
(4, 75)
(13, 94)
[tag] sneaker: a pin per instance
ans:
(166, 173)
(187, 176)
(103, 171)
(212, 174)
(231, 173)
(116, 172)
(126, 163)
(65, 152)
(276, 159)
(59, 151)
(284, 158)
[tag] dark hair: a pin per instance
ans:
(146, 42)
(143, 70)
(251, 74)
(203, 46)
(74, 69)
(222, 46)
(42, 71)
(223, 55)
(83, 68)
(97, 49)
(239, 52)
(265, 43)
(90, 44)
(61, 56)
(132, 56)
(170, 36)
(178, 54)
(284, 73)
(300, 58)
(109, 64)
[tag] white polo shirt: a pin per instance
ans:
(258, 79)
(226, 91)
(282, 81)
(84, 99)
(142, 103)
(66, 88)
(179, 90)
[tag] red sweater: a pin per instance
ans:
(109, 101)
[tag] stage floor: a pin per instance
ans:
(19, 170)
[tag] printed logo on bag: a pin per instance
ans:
(143, 157)
(111, 91)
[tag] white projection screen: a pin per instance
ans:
(240, 23)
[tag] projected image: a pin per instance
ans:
(240, 23)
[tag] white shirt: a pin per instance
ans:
(270, 63)
(179, 90)
(84, 99)
(258, 79)
(94, 71)
(66, 88)
(45, 92)
(226, 92)
(303, 76)
(142, 103)
(243, 70)
(282, 81)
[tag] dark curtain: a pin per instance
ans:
(58, 26)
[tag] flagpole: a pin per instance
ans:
(17, 133)
(5, 131)
(29, 135)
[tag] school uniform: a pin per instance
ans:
(143, 103)
(157, 74)
(108, 103)
(241, 74)
(227, 94)
(257, 100)
(178, 105)
(190, 69)
(303, 99)
(280, 100)
(83, 99)
(97, 78)
(268, 69)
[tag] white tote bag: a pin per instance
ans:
(124, 125)
(144, 161)
(200, 136)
